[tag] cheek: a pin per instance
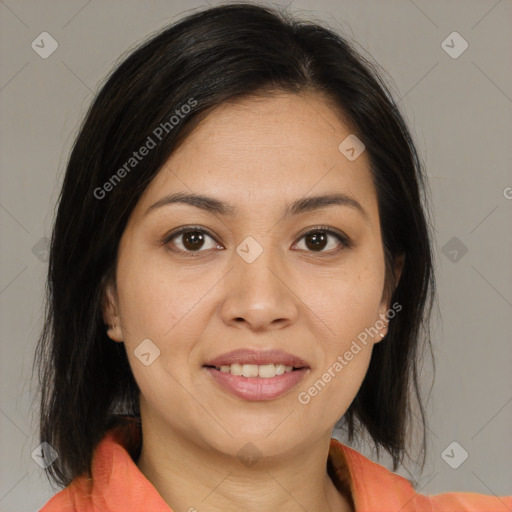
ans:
(156, 298)
(325, 398)
(344, 349)
(346, 304)
(170, 308)
(349, 307)
(158, 305)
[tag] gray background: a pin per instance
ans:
(460, 113)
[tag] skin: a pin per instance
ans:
(258, 155)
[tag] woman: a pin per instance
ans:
(240, 258)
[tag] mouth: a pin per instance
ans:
(256, 375)
(256, 383)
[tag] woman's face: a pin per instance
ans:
(251, 278)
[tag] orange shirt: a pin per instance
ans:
(118, 485)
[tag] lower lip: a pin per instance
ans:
(257, 388)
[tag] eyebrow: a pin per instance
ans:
(302, 205)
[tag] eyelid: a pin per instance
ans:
(186, 229)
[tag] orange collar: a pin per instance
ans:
(117, 484)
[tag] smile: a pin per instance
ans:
(265, 371)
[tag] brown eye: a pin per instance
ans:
(189, 240)
(318, 240)
(192, 240)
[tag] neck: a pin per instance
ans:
(191, 476)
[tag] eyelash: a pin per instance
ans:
(345, 241)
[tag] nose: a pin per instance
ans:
(259, 295)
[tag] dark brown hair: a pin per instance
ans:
(212, 56)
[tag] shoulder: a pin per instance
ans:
(374, 487)
(471, 502)
(114, 483)
(76, 496)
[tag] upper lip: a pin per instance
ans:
(247, 356)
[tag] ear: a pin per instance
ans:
(385, 305)
(110, 311)
(399, 266)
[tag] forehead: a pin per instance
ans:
(261, 150)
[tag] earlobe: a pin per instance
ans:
(110, 313)
(382, 325)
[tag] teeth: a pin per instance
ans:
(265, 371)
(250, 370)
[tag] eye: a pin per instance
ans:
(190, 239)
(194, 239)
(317, 240)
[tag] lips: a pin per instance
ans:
(257, 388)
(246, 356)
